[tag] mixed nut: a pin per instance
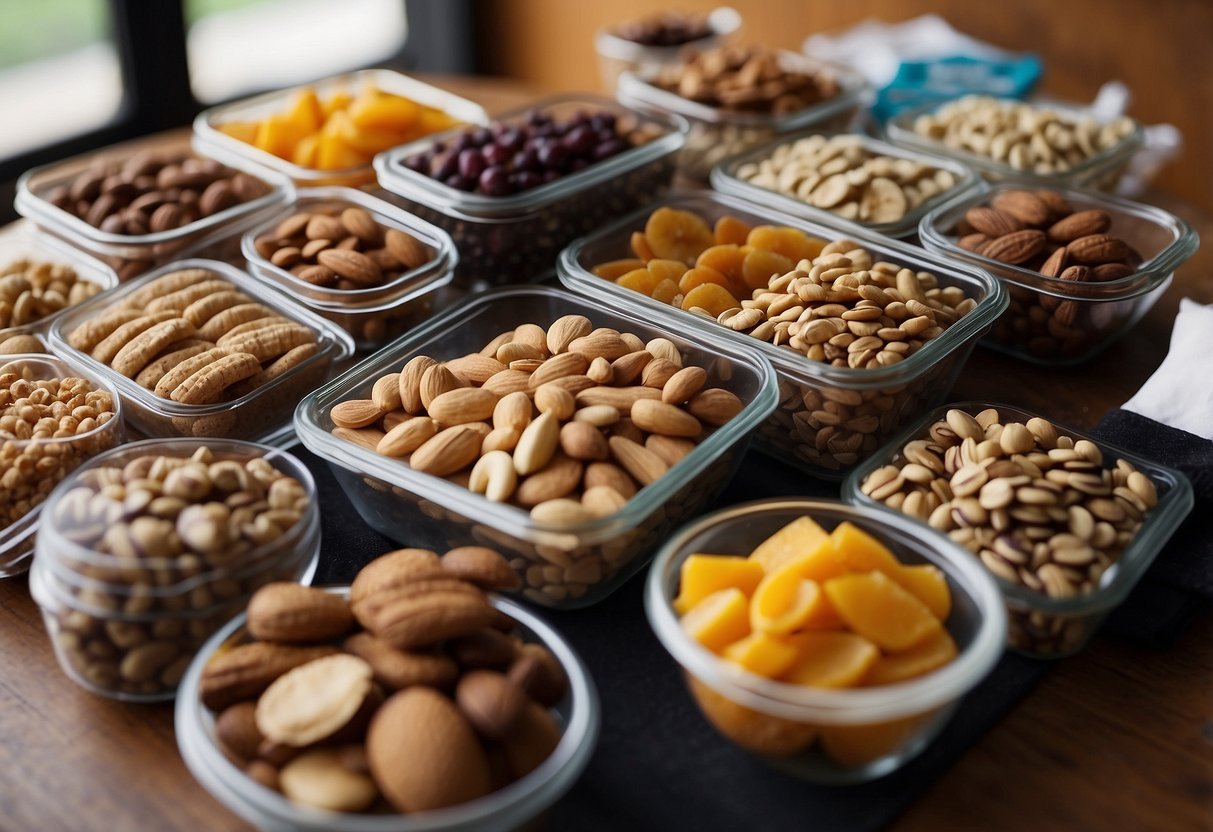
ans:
(31, 290)
(413, 694)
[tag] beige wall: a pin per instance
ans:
(1163, 49)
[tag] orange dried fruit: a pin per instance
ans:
(613, 269)
(861, 552)
(786, 603)
(641, 247)
(830, 659)
(800, 537)
(760, 733)
(667, 269)
(726, 259)
(729, 229)
(792, 243)
(677, 235)
(710, 297)
(638, 280)
(760, 265)
(719, 619)
(702, 575)
(857, 745)
(700, 275)
(665, 291)
(898, 667)
(875, 607)
(762, 653)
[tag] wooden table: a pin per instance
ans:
(1115, 738)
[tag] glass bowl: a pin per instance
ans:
(877, 729)
(617, 55)
(508, 808)
(1042, 626)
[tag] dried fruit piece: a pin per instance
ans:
(677, 235)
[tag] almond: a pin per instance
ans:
(665, 419)
(558, 366)
(431, 617)
(626, 369)
(475, 367)
(513, 411)
(500, 439)
(669, 448)
(1078, 225)
(368, 438)
(602, 500)
(449, 451)
(973, 242)
(386, 392)
(572, 384)
(537, 444)
(991, 221)
(396, 669)
(423, 754)
(487, 648)
(508, 381)
(554, 399)
(1024, 206)
(355, 413)
(490, 701)
(530, 739)
(313, 701)
(665, 348)
(715, 406)
(434, 382)
(1098, 248)
(407, 249)
(1056, 263)
(466, 404)
(494, 476)
(603, 342)
(538, 672)
(610, 475)
(1111, 271)
(556, 479)
(658, 372)
(1016, 247)
(582, 440)
(407, 436)
(600, 371)
(352, 265)
(410, 382)
(637, 460)
(360, 223)
(243, 672)
(484, 567)
(598, 415)
(683, 384)
(516, 351)
(532, 335)
(1057, 204)
(287, 612)
(319, 778)
(392, 570)
(565, 330)
(561, 512)
(236, 729)
(620, 398)
(1078, 274)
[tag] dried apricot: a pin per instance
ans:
(711, 297)
(617, 268)
(792, 243)
(638, 280)
(761, 264)
(640, 246)
(667, 269)
(677, 235)
(700, 275)
(729, 229)
(726, 259)
(665, 291)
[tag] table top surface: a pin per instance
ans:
(1138, 718)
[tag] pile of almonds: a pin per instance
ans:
(342, 247)
(415, 694)
(746, 79)
(30, 290)
(1041, 231)
(568, 422)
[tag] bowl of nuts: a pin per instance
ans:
(1081, 267)
(154, 545)
(411, 700)
(833, 642)
(736, 97)
(845, 179)
(40, 276)
(1065, 524)
(1003, 138)
(137, 209)
(53, 418)
(571, 437)
(659, 39)
(864, 333)
(353, 259)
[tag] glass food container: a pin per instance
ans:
(1058, 322)
(1042, 626)
(504, 239)
(868, 731)
(43, 248)
(617, 55)
(813, 395)
(565, 566)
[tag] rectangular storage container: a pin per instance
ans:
(716, 134)
(560, 565)
(43, 248)
(263, 414)
(211, 141)
(813, 395)
(511, 238)
(1042, 626)
(1060, 322)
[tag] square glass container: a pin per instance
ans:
(1060, 322)
(813, 395)
(263, 414)
(17, 539)
(43, 248)
(725, 179)
(617, 55)
(129, 255)
(211, 141)
(577, 716)
(1102, 171)
(868, 732)
(716, 134)
(504, 239)
(1041, 626)
(565, 566)
(375, 315)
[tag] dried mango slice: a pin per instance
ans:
(719, 619)
(704, 574)
(762, 653)
(861, 552)
(830, 660)
(800, 537)
(933, 653)
(875, 607)
(785, 603)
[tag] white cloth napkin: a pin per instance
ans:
(1180, 393)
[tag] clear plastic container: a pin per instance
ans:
(17, 539)
(876, 729)
(617, 55)
(1059, 322)
(717, 134)
(578, 716)
(210, 141)
(891, 394)
(509, 238)
(263, 414)
(43, 248)
(129, 255)
(590, 560)
(375, 315)
(1041, 626)
(1102, 170)
(725, 180)
(129, 632)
